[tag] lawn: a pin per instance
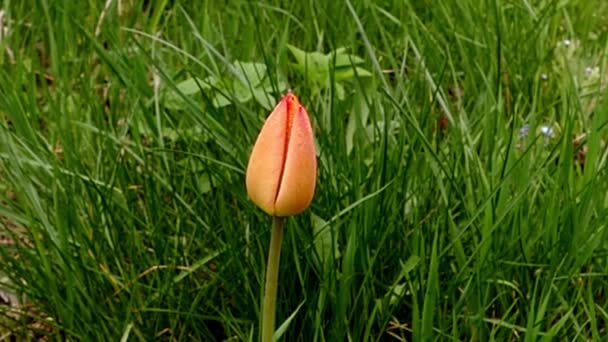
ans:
(461, 192)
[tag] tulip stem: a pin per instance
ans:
(272, 276)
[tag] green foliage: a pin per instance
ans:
(462, 186)
(328, 70)
(250, 81)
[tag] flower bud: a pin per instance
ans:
(282, 169)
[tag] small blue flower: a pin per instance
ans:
(523, 131)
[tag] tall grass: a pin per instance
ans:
(462, 191)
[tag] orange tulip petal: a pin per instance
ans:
(267, 159)
(281, 173)
(300, 171)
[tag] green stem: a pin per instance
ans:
(272, 276)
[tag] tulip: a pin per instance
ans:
(281, 177)
(282, 169)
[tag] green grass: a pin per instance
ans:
(126, 130)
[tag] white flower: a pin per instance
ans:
(547, 131)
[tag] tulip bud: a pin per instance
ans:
(282, 169)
